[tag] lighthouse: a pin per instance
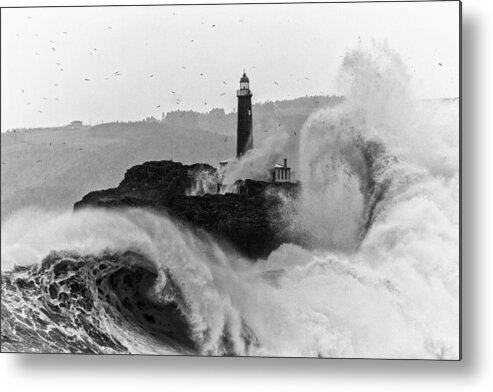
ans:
(244, 134)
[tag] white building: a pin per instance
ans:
(281, 173)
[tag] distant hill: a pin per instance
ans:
(55, 167)
(266, 116)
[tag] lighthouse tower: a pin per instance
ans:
(245, 135)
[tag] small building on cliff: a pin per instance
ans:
(281, 173)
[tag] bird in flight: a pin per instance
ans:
(52, 48)
(222, 94)
(225, 139)
(440, 64)
(58, 64)
(56, 84)
(277, 84)
(40, 111)
(109, 27)
(158, 106)
(224, 82)
(22, 91)
(105, 78)
(213, 25)
(192, 40)
(151, 75)
(36, 53)
(45, 98)
(64, 32)
(307, 78)
(172, 92)
(87, 80)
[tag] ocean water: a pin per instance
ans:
(378, 276)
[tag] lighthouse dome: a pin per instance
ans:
(244, 78)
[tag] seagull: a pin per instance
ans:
(28, 103)
(105, 78)
(158, 106)
(213, 25)
(58, 64)
(205, 103)
(52, 48)
(95, 49)
(36, 53)
(109, 27)
(61, 69)
(183, 67)
(440, 64)
(64, 32)
(151, 76)
(201, 74)
(192, 40)
(40, 111)
(307, 78)
(87, 80)
(56, 99)
(224, 82)
(277, 84)
(22, 91)
(45, 98)
(225, 139)
(172, 92)
(56, 84)
(222, 94)
(51, 42)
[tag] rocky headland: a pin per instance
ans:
(252, 220)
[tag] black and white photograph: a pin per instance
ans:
(240, 180)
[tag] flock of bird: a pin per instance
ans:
(176, 97)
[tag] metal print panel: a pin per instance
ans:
(275, 180)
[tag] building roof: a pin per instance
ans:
(280, 166)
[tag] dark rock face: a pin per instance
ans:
(252, 221)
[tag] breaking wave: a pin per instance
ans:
(379, 276)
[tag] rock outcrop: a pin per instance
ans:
(253, 220)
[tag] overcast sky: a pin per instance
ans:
(199, 52)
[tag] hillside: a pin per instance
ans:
(54, 167)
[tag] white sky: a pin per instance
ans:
(307, 40)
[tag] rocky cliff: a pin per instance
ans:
(252, 220)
